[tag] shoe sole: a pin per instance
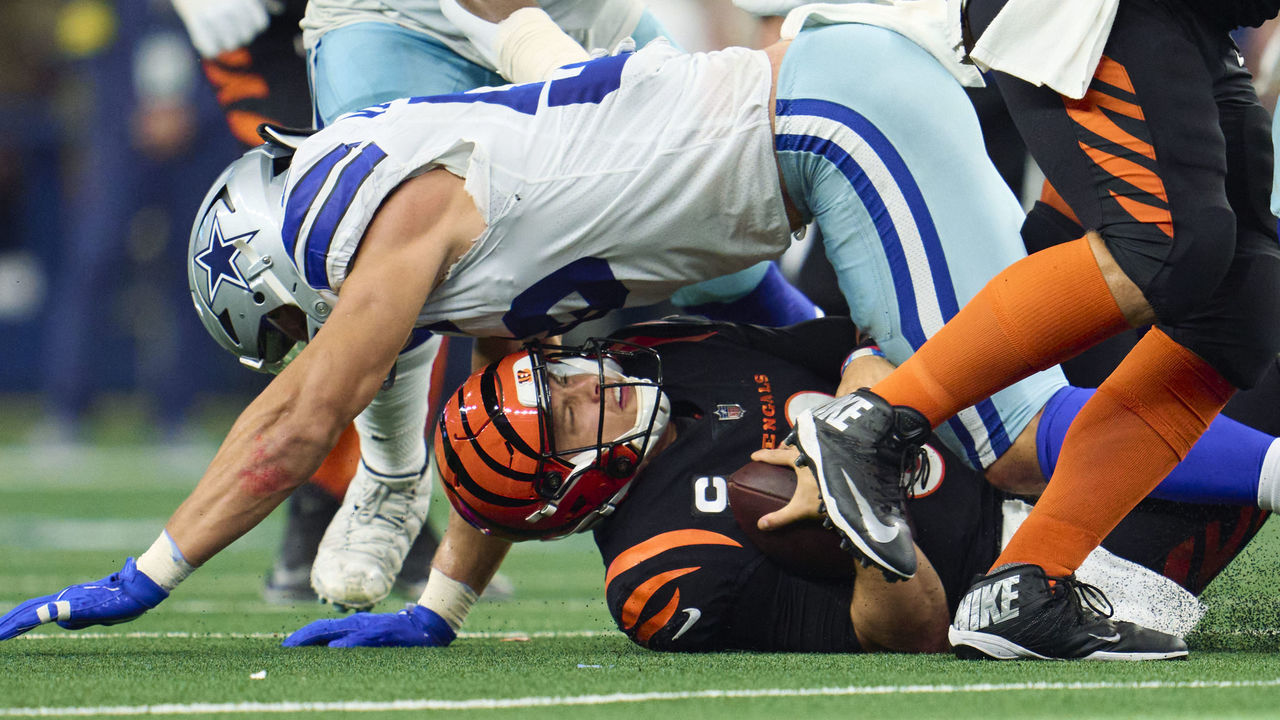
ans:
(809, 437)
(970, 645)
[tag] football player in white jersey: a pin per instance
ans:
(521, 211)
(362, 53)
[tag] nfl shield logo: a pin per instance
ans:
(730, 412)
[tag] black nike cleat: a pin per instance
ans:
(1021, 613)
(859, 447)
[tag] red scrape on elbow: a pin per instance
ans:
(262, 478)
(266, 481)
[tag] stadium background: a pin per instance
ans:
(93, 458)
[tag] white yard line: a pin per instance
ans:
(418, 705)
(480, 635)
(178, 635)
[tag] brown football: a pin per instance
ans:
(805, 548)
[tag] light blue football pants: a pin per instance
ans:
(879, 144)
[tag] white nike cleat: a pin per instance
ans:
(1019, 613)
(367, 541)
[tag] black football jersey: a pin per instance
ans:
(680, 574)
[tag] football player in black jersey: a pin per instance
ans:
(681, 574)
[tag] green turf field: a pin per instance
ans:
(213, 648)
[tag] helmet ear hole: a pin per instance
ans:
(552, 481)
(620, 467)
(224, 319)
(259, 298)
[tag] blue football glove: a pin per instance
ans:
(415, 626)
(119, 597)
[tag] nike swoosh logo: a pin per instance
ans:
(1106, 638)
(694, 616)
(878, 531)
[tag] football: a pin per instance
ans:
(805, 548)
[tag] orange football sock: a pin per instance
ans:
(1041, 310)
(339, 466)
(1142, 421)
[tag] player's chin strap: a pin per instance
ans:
(285, 138)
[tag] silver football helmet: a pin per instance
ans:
(245, 286)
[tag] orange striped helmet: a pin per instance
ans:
(496, 450)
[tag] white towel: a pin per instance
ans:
(1057, 43)
(1136, 594)
(924, 22)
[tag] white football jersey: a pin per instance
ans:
(615, 184)
(592, 23)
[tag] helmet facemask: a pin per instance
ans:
(619, 457)
(496, 446)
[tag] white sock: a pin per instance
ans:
(1269, 478)
(163, 563)
(391, 427)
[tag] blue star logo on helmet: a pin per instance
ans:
(219, 260)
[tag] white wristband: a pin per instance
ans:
(163, 563)
(530, 45)
(869, 351)
(448, 598)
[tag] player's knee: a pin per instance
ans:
(1243, 346)
(1178, 278)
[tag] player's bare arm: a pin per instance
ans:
(284, 434)
(468, 555)
(903, 616)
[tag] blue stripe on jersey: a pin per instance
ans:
(416, 337)
(320, 237)
(444, 327)
(521, 98)
(890, 240)
(298, 205)
(592, 84)
(596, 79)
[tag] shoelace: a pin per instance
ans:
(913, 469)
(1087, 596)
(374, 499)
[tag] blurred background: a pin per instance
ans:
(111, 129)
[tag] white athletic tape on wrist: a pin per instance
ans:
(530, 46)
(450, 599)
(163, 563)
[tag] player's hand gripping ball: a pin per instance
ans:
(804, 547)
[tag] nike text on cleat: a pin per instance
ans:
(1019, 612)
(362, 551)
(859, 446)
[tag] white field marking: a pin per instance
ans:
(131, 535)
(179, 635)
(478, 635)
(418, 705)
(26, 468)
(256, 607)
